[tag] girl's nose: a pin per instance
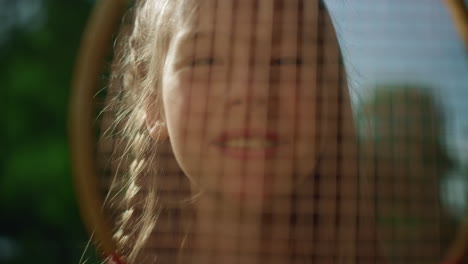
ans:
(250, 85)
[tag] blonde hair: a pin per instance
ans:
(135, 85)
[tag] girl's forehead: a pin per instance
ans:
(240, 16)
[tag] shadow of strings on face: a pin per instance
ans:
(327, 217)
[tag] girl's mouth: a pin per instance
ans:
(248, 144)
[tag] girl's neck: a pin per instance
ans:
(225, 232)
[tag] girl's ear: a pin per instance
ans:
(155, 123)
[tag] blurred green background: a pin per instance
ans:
(39, 218)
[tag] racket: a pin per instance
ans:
(256, 143)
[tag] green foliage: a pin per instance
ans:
(39, 215)
(402, 137)
(408, 115)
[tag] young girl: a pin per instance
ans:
(236, 141)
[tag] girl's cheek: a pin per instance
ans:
(177, 88)
(175, 101)
(185, 101)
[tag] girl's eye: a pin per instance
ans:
(286, 61)
(204, 61)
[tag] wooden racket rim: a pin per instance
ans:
(459, 12)
(95, 46)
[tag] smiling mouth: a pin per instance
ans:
(248, 145)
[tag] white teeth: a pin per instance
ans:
(248, 143)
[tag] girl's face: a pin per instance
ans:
(243, 93)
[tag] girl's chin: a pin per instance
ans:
(244, 200)
(253, 196)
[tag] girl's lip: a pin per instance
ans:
(244, 153)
